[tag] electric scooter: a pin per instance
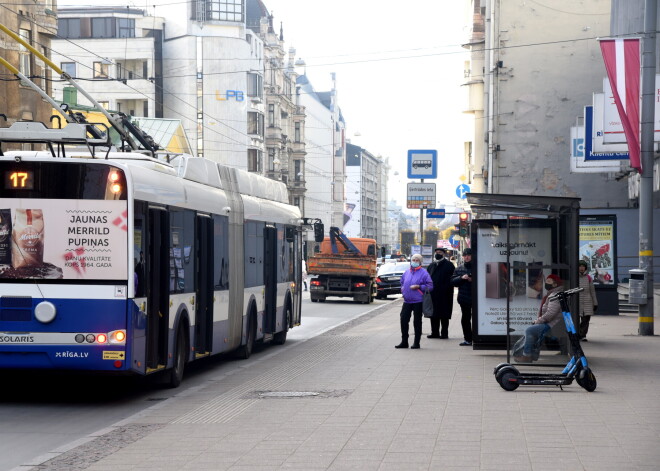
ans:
(576, 369)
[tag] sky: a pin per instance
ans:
(399, 70)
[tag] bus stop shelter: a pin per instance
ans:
(517, 241)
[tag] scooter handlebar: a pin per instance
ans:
(566, 293)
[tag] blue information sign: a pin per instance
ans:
(454, 242)
(422, 164)
(435, 213)
(462, 190)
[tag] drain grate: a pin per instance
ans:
(294, 394)
(288, 394)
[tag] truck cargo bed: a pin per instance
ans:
(335, 264)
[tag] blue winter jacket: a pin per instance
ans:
(415, 276)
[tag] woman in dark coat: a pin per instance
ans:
(441, 271)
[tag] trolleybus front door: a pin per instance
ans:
(204, 285)
(270, 278)
(158, 276)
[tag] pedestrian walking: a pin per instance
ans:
(588, 302)
(304, 274)
(414, 283)
(549, 315)
(462, 279)
(441, 271)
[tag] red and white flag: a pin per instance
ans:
(622, 62)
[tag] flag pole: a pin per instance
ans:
(646, 158)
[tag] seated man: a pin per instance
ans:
(549, 315)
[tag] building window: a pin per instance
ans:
(296, 201)
(105, 105)
(254, 160)
(296, 132)
(224, 10)
(255, 86)
(255, 123)
(24, 65)
(297, 169)
(68, 28)
(271, 115)
(145, 108)
(69, 68)
(145, 70)
(102, 28)
(100, 70)
(271, 159)
(125, 28)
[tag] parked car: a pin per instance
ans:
(388, 279)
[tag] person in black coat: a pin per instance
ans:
(462, 278)
(441, 271)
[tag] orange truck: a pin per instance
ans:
(344, 267)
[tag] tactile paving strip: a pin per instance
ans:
(232, 403)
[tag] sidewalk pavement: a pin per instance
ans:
(380, 408)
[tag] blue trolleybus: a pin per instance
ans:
(122, 262)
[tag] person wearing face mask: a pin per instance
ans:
(549, 315)
(463, 280)
(414, 283)
(441, 271)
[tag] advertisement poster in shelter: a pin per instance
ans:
(63, 239)
(596, 248)
(514, 284)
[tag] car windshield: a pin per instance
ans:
(393, 268)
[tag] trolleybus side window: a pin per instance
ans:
(254, 253)
(220, 252)
(182, 249)
(139, 234)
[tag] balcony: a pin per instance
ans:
(298, 148)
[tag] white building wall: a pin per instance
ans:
(318, 161)
(353, 200)
(111, 51)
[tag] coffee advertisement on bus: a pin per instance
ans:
(63, 239)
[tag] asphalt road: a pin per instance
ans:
(41, 412)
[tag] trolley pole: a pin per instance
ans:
(646, 178)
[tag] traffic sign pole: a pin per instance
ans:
(421, 223)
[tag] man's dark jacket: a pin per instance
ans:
(443, 292)
(464, 286)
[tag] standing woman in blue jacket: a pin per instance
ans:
(414, 283)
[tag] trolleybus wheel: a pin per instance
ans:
(280, 337)
(244, 351)
(587, 379)
(181, 348)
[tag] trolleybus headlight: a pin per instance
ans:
(114, 177)
(90, 338)
(115, 188)
(80, 338)
(101, 338)
(45, 312)
(117, 336)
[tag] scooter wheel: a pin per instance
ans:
(587, 379)
(508, 378)
(499, 367)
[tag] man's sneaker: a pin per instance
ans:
(465, 344)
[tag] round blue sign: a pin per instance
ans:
(461, 190)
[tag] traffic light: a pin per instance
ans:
(319, 231)
(463, 219)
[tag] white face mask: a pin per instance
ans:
(415, 264)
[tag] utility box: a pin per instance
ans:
(638, 289)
